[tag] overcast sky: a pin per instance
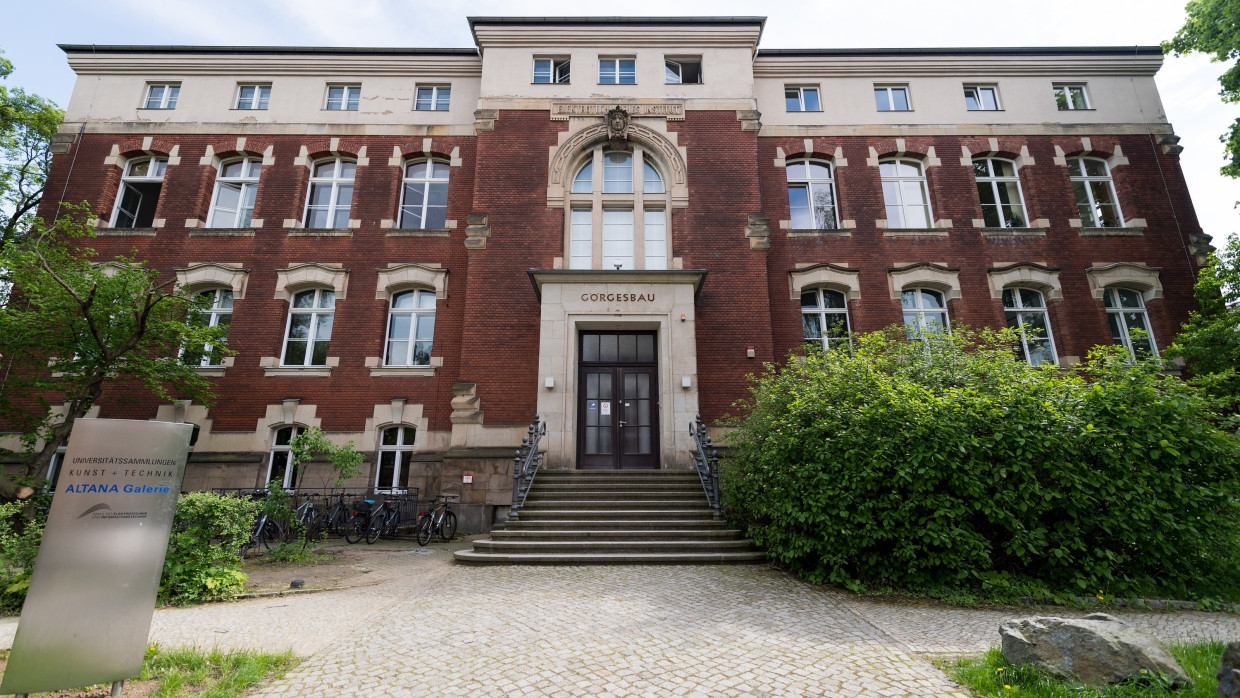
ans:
(1189, 86)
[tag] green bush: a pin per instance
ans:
(21, 530)
(203, 562)
(951, 464)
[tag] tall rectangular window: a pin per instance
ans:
(162, 95)
(343, 97)
(617, 71)
(618, 238)
(253, 96)
(801, 99)
(581, 242)
(654, 225)
(433, 98)
(892, 98)
(551, 70)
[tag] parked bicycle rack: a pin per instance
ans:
(325, 498)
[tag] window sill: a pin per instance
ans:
(321, 233)
(379, 371)
(125, 232)
(914, 232)
(326, 109)
(804, 111)
(156, 108)
(819, 232)
(223, 232)
(419, 233)
(1135, 231)
(1014, 232)
(416, 109)
(318, 371)
(210, 371)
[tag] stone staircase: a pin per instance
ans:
(616, 517)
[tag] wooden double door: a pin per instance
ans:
(618, 401)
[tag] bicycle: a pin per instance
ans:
(335, 519)
(305, 519)
(384, 521)
(267, 531)
(441, 520)
(359, 523)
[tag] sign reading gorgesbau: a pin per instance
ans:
(88, 612)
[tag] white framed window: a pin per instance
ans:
(925, 310)
(682, 71)
(811, 195)
(617, 71)
(905, 194)
(395, 454)
(236, 185)
(253, 96)
(161, 95)
(618, 212)
(309, 330)
(331, 193)
(343, 97)
(801, 98)
(1126, 313)
(141, 184)
(58, 460)
(981, 98)
(552, 71)
(280, 466)
(424, 196)
(824, 317)
(1071, 96)
(998, 188)
(1095, 193)
(411, 328)
(433, 98)
(892, 98)
(1025, 311)
(217, 313)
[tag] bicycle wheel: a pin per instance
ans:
(425, 529)
(271, 534)
(314, 531)
(393, 522)
(376, 527)
(355, 529)
(447, 528)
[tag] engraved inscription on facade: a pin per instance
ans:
(561, 111)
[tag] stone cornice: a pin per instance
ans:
(542, 277)
(619, 35)
(335, 66)
(903, 66)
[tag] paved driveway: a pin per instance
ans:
(426, 627)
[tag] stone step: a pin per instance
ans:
(614, 525)
(616, 515)
(683, 533)
(610, 504)
(635, 545)
(616, 483)
(471, 557)
(590, 489)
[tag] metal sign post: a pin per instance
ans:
(92, 595)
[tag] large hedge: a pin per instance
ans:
(950, 464)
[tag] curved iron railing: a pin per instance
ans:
(706, 460)
(525, 465)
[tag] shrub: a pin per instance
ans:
(21, 530)
(203, 562)
(951, 463)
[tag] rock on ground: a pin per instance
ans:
(1098, 649)
(1229, 671)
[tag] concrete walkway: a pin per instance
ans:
(426, 627)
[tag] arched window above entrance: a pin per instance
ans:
(618, 212)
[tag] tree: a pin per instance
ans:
(27, 124)
(74, 328)
(1213, 27)
(1210, 340)
(344, 460)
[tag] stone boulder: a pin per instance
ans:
(1098, 649)
(1229, 671)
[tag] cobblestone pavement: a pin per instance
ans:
(423, 626)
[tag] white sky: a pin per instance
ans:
(1189, 87)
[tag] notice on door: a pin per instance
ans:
(92, 595)
(605, 408)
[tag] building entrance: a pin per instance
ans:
(617, 401)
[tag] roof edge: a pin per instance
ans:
(270, 50)
(967, 51)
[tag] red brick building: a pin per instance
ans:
(609, 223)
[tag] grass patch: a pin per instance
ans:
(215, 674)
(991, 675)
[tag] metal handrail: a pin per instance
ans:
(706, 460)
(525, 465)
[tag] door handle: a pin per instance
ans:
(623, 423)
